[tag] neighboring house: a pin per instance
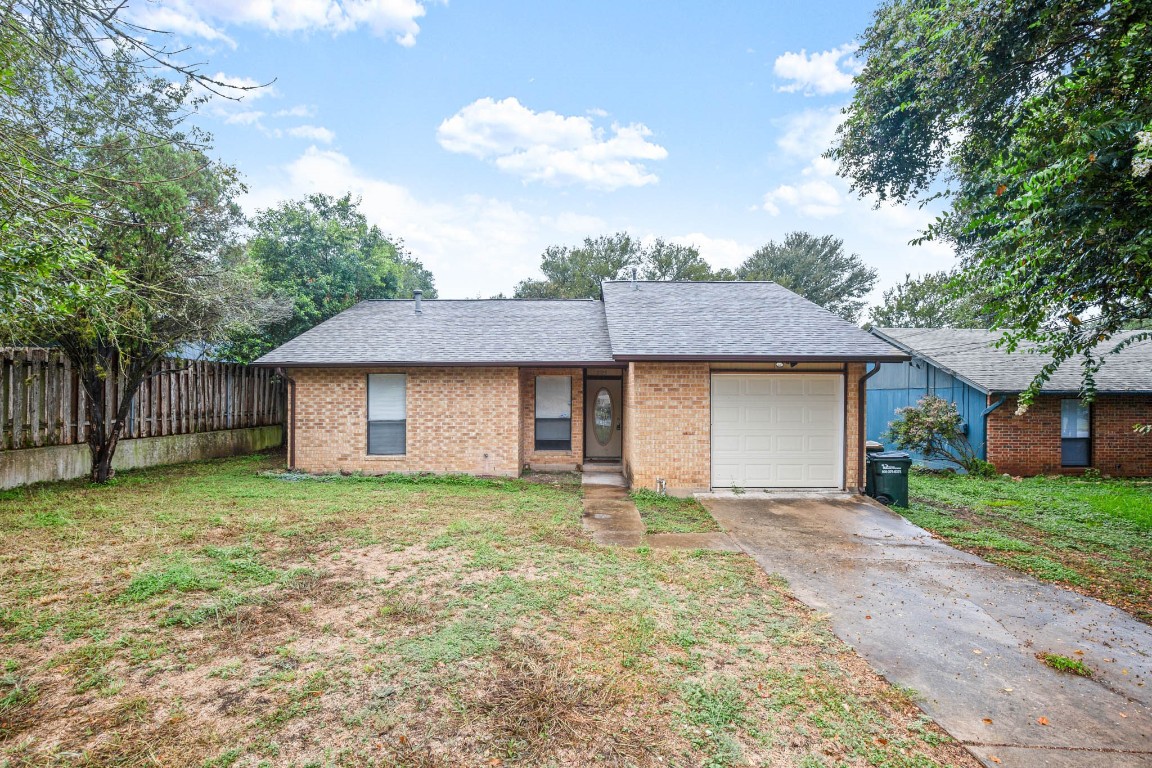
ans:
(686, 386)
(1058, 434)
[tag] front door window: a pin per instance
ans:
(603, 413)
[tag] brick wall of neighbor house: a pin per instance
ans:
(528, 453)
(459, 420)
(667, 415)
(1030, 444)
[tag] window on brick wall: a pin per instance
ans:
(553, 413)
(387, 414)
(1075, 434)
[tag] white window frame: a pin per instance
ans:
(554, 413)
(391, 413)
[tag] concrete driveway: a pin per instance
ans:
(961, 632)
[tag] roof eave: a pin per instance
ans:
(887, 358)
(439, 364)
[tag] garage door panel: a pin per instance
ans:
(777, 430)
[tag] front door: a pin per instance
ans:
(603, 419)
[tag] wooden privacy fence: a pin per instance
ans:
(42, 402)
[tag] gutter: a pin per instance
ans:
(861, 408)
(291, 431)
(984, 417)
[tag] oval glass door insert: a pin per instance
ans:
(602, 417)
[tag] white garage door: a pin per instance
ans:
(777, 430)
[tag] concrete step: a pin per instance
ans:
(615, 468)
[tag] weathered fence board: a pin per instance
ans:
(42, 402)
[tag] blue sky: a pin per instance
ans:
(481, 132)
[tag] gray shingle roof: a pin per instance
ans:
(497, 331)
(733, 320)
(971, 355)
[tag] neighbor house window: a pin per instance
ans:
(387, 414)
(553, 413)
(1075, 434)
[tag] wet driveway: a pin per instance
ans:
(961, 632)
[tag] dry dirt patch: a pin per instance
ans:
(217, 615)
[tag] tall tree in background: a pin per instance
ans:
(576, 272)
(320, 256)
(1039, 117)
(75, 75)
(935, 300)
(172, 240)
(816, 268)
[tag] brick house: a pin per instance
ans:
(1058, 434)
(686, 386)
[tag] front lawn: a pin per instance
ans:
(1094, 536)
(670, 514)
(225, 614)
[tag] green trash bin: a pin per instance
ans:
(888, 476)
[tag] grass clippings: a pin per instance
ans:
(1093, 536)
(228, 614)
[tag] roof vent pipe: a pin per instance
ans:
(634, 286)
(416, 294)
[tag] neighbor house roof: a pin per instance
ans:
(971, 355)
(729, 320)
(450, 332)
(633, 321)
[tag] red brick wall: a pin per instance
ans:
(667, 425)
(528, 452)
(459, 420)
(1030, 444)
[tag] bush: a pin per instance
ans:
(933, 428)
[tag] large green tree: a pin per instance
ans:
(321, 256)
(171, 237)
(935, 300)
(74, 76)
(817, 268)
(1033, 121)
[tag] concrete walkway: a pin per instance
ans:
(961, 632)
(613, 520)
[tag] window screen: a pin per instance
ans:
(1075, 433)
(387, 414)
(553, 413)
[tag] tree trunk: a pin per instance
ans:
(106, 428)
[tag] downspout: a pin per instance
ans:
(291, 418)
(861, 407)
(984, 418)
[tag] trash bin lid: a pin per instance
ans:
(872, 446)
(890, 455)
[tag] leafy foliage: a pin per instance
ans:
(320, 256)
(75, 75)
(935, 300)
(1038, 117)
(172, 240)
(576, 272)
(816, 268)
(933, 428)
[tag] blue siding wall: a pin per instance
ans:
(897, 385)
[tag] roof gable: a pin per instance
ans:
(971, 355)
(729, 320)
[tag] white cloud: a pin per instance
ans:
(550, 147)
(474, 245)
(250, 117)
(312, 133)
(300, 110)
(818, 73)
(809, 133)
(717, 251)
(204, 18)
(815, 198)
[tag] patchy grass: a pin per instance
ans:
(227, 614)
(670, 514)
(1094, 536)
(1065, 664)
